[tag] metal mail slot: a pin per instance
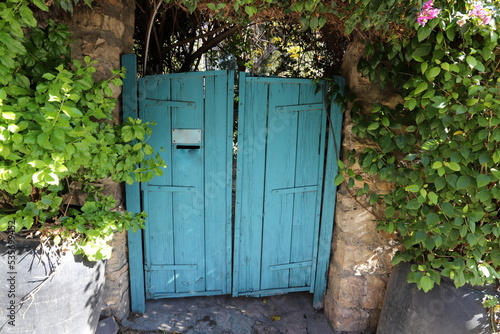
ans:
(186, 136)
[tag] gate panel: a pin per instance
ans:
(281, 144)
(187, 236)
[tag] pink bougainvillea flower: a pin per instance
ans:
(483, 14)
(428, 13)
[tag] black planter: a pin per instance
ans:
(68, 302)
(443, 310)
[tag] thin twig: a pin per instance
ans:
(148, 34)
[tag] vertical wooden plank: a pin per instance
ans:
(218, 181)
(229, 167)
(321, 95)
(159, 225)
(188, 170)
(249, 185)
(279, 174)
(132, 193)
(329, 197)
(310, 152)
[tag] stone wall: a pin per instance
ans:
(361, 255)
(104, 33)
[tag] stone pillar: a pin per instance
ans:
(104, 33)
(361, 255)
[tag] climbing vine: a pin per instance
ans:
(440, 148)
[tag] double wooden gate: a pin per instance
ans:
(279, 239)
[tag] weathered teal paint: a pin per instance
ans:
(132, 193)
(281, 152)
(329, 197)
(188, 230)
(285, 197)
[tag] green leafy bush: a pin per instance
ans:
(441, 148)
(58, 140)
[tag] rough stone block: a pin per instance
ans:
(349, 320)
(374, 292)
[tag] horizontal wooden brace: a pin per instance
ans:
(158, 295)
(291, 265)
(294, 190)
(270, 292)
(301, 107)
(169, 188)
(167, 104)
(169, 267)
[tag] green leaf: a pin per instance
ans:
(373, 199)
(429, 244)
(6, 222)
(484, 195)
(7, 115)
(339, 179)
(483, 180)
(432, 73)
(411, 104)
(475, 216)
(373, 126)
(423, 67)
(424, 32)
(419, 236)
(432, 219)
(433, 198)
(421, 87)
(413, 188)
(463, 182)
(439, 182)
(495, 257)
(250, 10)
(471, 61)
(314, 23)
(389, 212)
(40, 4)
(437, 164)
(453, 166)
(411, 128)
(448, 209)
(430, 145)
(27, 16)
(426, 283)
(438, 240)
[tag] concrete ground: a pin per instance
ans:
(291, 314)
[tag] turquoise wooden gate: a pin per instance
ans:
(281, 148)
(285, 195)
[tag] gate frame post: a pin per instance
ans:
(329, 198)
(132, 194)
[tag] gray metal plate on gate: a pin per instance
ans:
(186, 136)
